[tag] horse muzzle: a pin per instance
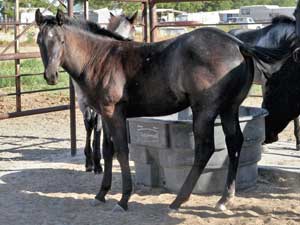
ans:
(51, 78)
(296, 55)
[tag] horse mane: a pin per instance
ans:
(93, 28)
(282, 19)
(85, 25)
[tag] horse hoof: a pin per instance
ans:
(221, 207)
(95, 202)
(297, 147)
(173, 210)
(89, 169)
(98, 170)
(174, 206)
(118, 209)
(264, 148)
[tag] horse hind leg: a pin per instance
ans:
(297, 133)
(203, 127)
(96, 144)
(234, 140)
(89, 124)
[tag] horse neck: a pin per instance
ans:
(80, 51)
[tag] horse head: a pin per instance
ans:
(51, 42)
(123, 25)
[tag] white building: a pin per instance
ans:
(27, 15)
(265, 13)
(100, 16)
(168, 15)
(226, 15)
(200, 17)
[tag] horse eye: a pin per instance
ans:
(38, 40)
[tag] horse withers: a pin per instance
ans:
(207, 69)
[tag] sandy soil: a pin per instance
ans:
(41, 184)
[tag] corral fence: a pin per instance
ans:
(149, 34)
(18, 56)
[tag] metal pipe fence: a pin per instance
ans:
(18, 56)
(150, 26)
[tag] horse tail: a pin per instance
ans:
(269, 60)
(261, 54)
(266, 55)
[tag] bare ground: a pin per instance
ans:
(41, 184)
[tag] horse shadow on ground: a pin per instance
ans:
(29, 148)
(64, 195)
(61, 196)
(238, 212)
(70, 192)
(270, 185)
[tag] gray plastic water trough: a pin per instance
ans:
(162, 149)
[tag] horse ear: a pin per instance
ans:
(39, 19)
(60, 17)
(133, 17)
(111, 15)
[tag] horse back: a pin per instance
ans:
(172, 72)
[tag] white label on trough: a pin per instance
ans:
(148, 134)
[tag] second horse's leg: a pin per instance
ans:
(96, 144)
(297, 133)
(89, 124)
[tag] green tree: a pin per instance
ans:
(131, 7)
(9, 5)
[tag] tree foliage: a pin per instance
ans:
(131, 7)
(8, 5)
(190, 6)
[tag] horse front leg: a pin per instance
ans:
(96, 144)
(297, 133)
(108, 152)
(88, 124)
(116, 123)
(234, 141)
(203, 127)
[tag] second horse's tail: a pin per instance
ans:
(269, 60)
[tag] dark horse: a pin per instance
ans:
(207, 69)
(279, 98)
(124, 26)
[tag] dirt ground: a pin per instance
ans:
(41, 184)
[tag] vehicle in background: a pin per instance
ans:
(265, 13)
(246, 22)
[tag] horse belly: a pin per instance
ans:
(156, 103)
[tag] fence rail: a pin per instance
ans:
(17, 56)
(150, 28)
